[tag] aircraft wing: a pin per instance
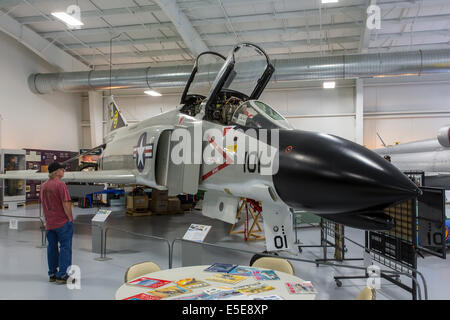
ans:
(103, 176)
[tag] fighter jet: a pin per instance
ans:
(428, 156)
(223, 140)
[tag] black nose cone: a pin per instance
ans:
(323, 173)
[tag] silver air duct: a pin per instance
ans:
(315, 68)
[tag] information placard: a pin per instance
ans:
(197, 232)
(101, 215)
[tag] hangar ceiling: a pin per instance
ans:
(172, 32)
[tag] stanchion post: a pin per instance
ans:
(103, 256)
(42, 228)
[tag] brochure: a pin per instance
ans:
(148, 282)
(300, 287)
(254, 288)
(142, 296)
(214, 290)
(221, 267)
(265, 275)
(273, 297)
(169, 291)
(197, 232)
(226, 278)
(199, 296)
(243, 271)
(225, 295)
(192, 283)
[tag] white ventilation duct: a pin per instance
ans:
(315, 68)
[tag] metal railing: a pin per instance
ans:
(170, 246)
(104, 243)
(41, 227)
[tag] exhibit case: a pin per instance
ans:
(13, 191)
(38, 160)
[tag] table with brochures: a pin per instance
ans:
(219, 281)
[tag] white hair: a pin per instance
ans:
(52, 174)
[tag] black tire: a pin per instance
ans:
(338, 283)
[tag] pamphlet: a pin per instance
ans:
(226, 278)
(221, 267)
(243, 271)
(265, 275)
(192, 283)
(197, 232)
(224, 295)
(214, 290)
(169, 291)
(254, 288)
(199, 296)
(142, 296)
(149, 282)
(273, 297)
(300, 287)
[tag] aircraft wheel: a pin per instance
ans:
(338, 283)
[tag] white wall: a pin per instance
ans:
(34, 121)
(316, 109)
(413, 103)
(306, 109)
(333, 110)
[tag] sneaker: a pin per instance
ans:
(62, 280)
(52, 278)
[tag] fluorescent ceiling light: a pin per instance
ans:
(153, 93)
(329, 85)
(67, 18)
(330, 1)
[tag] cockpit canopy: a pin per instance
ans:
(258, 115)
(232, 96)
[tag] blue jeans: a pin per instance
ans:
(62, 258)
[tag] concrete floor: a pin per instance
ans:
(23, 265)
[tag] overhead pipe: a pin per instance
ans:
(312, 68)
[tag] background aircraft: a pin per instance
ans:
(432, 156)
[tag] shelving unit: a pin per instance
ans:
(12, 191)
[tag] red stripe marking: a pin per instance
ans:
(215, 170)
(223, 165)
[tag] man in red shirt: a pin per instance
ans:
(57, 207)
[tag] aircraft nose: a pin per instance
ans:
(323, 173)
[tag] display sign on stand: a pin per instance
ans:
(190, 254)
(431, 222)
(197, 232)
(101, 215)
(98, 231)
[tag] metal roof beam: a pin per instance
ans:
(45, 49)
(105, 44)
(106, 30)
(89, 14)
(311, 27)
(184, 27)
(366, 32)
